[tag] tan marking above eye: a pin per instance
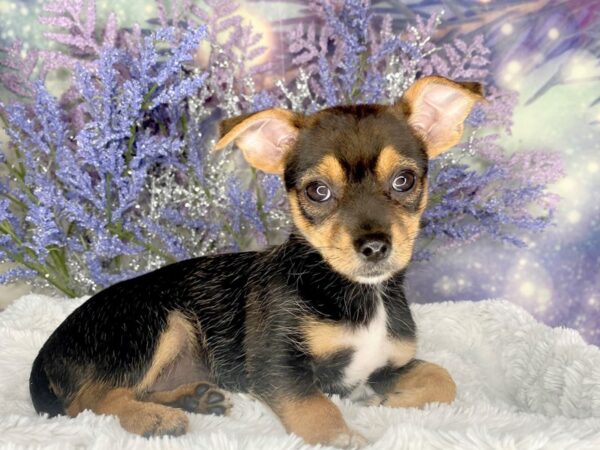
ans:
(389, 161)
(329, 168)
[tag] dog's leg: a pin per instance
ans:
(146, 419)
(317, 420)
(201, 398)
(133, 404)
(413, 386)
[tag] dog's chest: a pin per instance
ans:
(371, 348)
(346, 356)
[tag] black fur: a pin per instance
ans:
(247, 307)
(114, 334)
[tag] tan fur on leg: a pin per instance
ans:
(425, 383)
(145, 419)
(317, 420)
(141, 417)
(177, 339)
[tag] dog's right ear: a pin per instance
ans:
(264, 137)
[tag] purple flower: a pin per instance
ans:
(117, 177)
(17, 274)
(272, 189)
(42, 220)
(18, 71)
(242, 207)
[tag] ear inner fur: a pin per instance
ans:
(226, 125)
(264, 138)
(438, 108)
(247, 120)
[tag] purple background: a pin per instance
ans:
(546, 51)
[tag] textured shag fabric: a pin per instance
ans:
(520, 384)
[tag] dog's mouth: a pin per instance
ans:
(374, 273)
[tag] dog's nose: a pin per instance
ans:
(373, 248)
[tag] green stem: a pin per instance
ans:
(7, 228)
(19, 174)
(133, 129)
(434, 199)
(130, 142)
(184, 126)
(259, 202)
(163, 128)
(226, 225)
(152, 248)
(45, 271)
(362, 66)
(41, 270)
(118, 230)
(146, 99)
(57, 254)
(15, 200)
(107, 205)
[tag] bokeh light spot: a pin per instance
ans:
(507, 29)
(553, 34)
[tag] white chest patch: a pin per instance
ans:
(372, 348)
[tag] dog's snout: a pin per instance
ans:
(373, 248)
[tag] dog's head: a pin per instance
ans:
(356, 176)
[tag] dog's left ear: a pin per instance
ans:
(437, 108)
(264, 137)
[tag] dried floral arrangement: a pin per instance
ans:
(117, 176)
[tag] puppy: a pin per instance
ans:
(323, 313)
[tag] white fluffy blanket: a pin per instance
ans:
(520, 384)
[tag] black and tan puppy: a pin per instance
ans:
(322, 313)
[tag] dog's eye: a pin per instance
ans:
(318, 191)
(403, 181)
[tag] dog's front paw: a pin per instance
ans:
(349, 439)
(374, 400)
(421, 384)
